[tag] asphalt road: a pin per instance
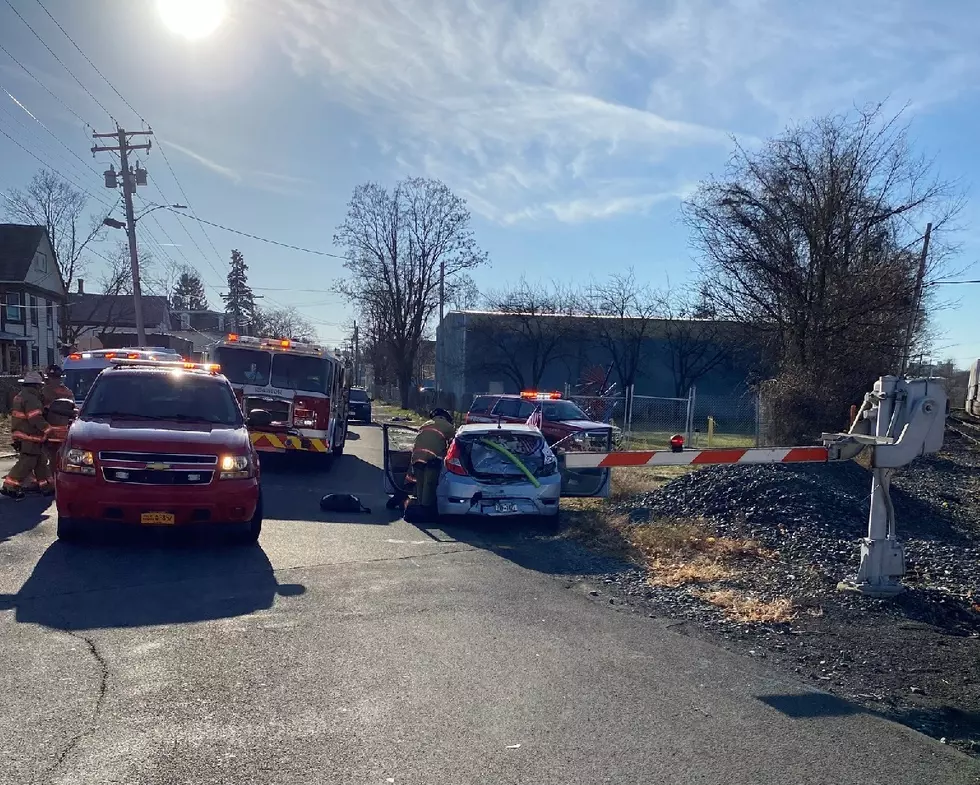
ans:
(361, 649)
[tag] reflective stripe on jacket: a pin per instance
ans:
(433, 440)
(51, 392)
(28, 423)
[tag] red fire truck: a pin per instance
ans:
(294, 394)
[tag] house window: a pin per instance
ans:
(33, 309)
(35, 357)
(14, 307)
(41, 262)
(49, 314)
(50, 356)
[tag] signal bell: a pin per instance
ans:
(677, 443)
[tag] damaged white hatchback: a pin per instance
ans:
(499, 470)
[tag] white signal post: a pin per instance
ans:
(899, 420)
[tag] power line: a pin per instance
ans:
(83, 162)
(48, 90)
(48, 166)
(89, 61)
(61, 62)
(265, 239)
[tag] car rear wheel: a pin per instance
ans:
(69, 530)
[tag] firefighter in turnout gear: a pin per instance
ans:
(428, 453)
(29, 430)
(58, 415)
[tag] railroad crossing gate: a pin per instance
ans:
(899, 420)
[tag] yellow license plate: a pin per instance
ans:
(158, 518)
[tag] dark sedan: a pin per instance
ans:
(360, 405)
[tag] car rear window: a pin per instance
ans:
(358, 396)
(482, 404)
(185, 397)
(483, 461)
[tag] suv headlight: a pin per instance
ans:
(235, 467)
(79, 461)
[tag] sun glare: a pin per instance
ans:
(192, 19)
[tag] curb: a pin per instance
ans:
(3, 456)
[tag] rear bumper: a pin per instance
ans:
(455, 497)
(88, 498)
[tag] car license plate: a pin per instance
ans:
(505, 507)
(157, 518)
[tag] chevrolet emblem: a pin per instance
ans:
(157, 466)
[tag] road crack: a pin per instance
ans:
(75, 740)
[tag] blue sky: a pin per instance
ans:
(572, 127)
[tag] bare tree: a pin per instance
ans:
(697, 342)
(397, 242)
(284, 323)
(625, 315)
(811, 243)
(59, 207)
(98, 312)
(530, 327)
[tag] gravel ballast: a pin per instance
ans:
(915, 658)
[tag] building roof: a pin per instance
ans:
(115, 310)
(18, 243)
(201, 340)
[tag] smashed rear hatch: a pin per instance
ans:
(485, 458)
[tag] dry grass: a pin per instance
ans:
(746, 609)
(633, 481)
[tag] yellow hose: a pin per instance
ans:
(513, 459)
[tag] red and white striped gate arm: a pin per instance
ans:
(599, 460)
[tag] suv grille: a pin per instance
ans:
(158, 476)
(158, 457)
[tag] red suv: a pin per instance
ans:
(159, 444)
(564, 423)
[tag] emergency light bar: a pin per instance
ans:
(275, 343)
(531, 395)
(104, 355)
(177, 365)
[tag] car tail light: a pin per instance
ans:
(454, 463)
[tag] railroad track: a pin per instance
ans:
(964, 426)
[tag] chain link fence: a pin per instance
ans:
(725, 420)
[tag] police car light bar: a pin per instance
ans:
(132, 362)
(531, 395)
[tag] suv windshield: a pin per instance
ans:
(556, 411)
(244, 366)
(295, 372)
(79, 381)
(163, 396)
(358, 396)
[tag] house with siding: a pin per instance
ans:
(32, 296)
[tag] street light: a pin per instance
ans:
(113, 223)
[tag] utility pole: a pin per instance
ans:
(130, 179)
(916, 298)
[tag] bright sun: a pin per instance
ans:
(192, 18)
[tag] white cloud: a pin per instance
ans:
(577, 109)
(265, 181)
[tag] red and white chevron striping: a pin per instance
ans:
(592, 460)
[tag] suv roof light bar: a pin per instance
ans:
(176, 365)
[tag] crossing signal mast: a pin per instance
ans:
(131, 178)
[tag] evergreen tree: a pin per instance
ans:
(239, 302)
(188, 293)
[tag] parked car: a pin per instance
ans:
(494, 470)
(159, 444)
(359, 404)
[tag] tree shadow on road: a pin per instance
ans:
(163, 581)
(17, 517)
(525, 542)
